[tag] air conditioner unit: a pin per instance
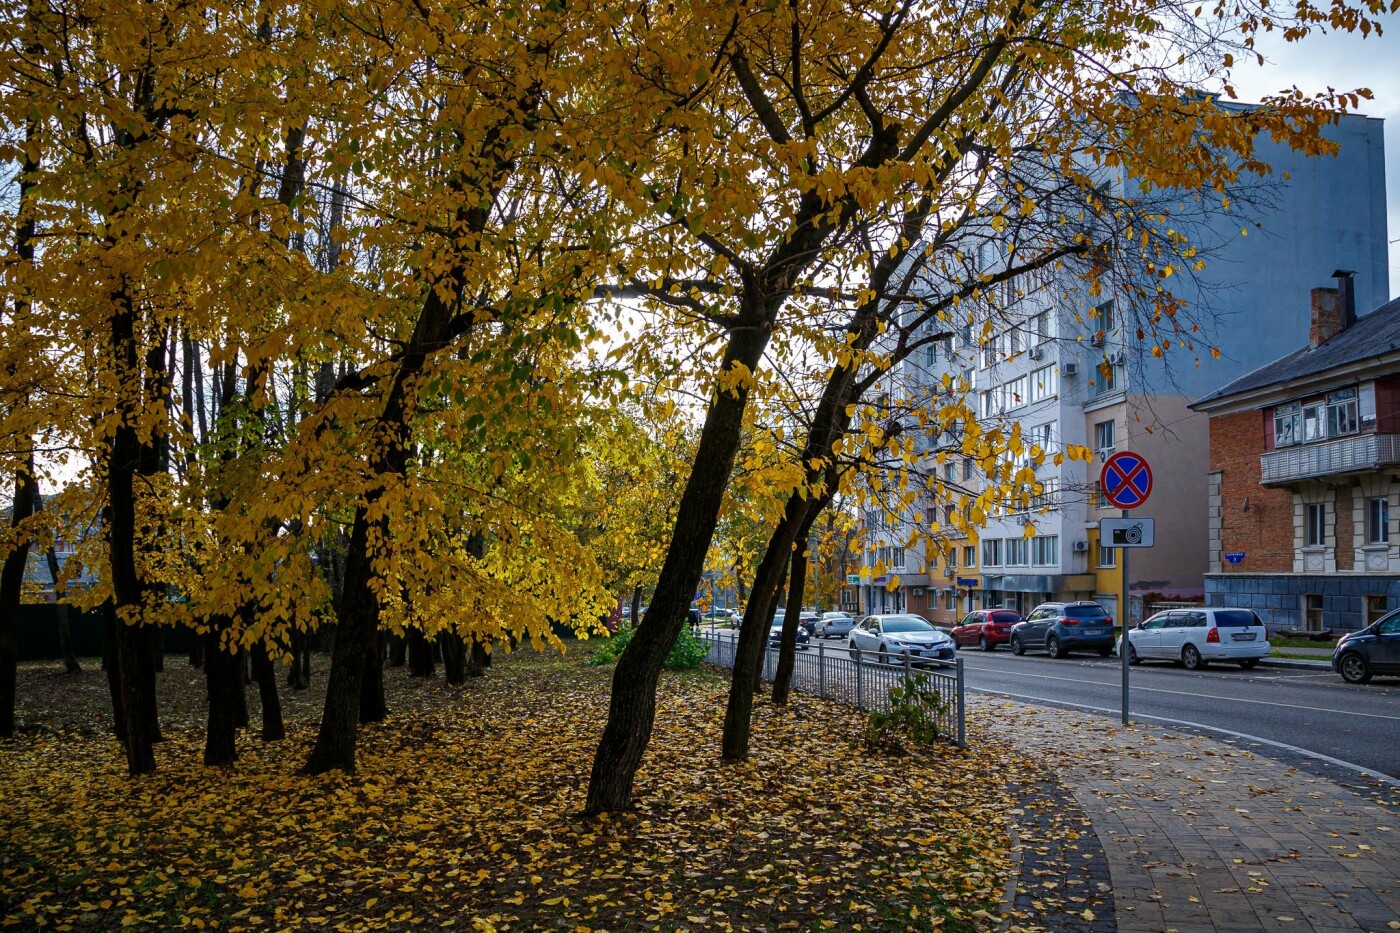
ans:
(1081, 547)
(918, 591)
(1116, 358)
(1096, 340)
(1035, 353)
(1069, 369)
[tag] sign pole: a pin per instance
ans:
(1123, 616)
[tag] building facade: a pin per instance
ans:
(1304, 480)
(1073, 370)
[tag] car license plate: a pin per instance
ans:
(1242, 636)
(1096, 631)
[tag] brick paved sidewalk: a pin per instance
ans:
(1203, 835)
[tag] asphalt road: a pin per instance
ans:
(1300, 710)
(1312, 710)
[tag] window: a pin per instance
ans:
(1016, 392)
(1104, 438)
(1375, 608)
(991, 552)
(1017, 551)
(1103, 318)
(969, 556)
(1098, 498)
(948, 515)
(1315, 524)
(1040, 327)
(1314, 427)
(1107, 378)
(1015, 340)
(1288, 424)
(1378, 520)
(967, 469)
(984, 408)
(1045, 383)
(1049, 494)
(950, 470)
(1045, 550)
(1312, 612)
(897, 558)
(1341, 413)
(1044, 435)
(1108, 556)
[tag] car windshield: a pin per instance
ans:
(1004, 617)
(1236, 618)
(907, 624)
(1085, 612)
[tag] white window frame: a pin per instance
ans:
(991, 552)
(1378, 520)
(1315, 524)
(1045, 550)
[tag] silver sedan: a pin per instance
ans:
(895, 638)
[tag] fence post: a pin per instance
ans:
(860, 684)
(962, 707)
(821, 671)
(908, 669)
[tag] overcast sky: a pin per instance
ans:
(1345, 63)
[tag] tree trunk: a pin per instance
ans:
(240, 699)
(112, 669)
(196, 653)
(224, 687)
(265, 673)
(372, 705)
(299, 671)
(420, 655)
(11, 585)
(65, 639)
(478, 658)
(797, 582)
(454, 657)
(632, 709)
(398, 650)
(138, 676)
(637, 605)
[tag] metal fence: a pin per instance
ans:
(829, 671)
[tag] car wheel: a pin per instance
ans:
(1248, 663)
(1354, 669)
(855, 654)
(1052, 645)
(985, 645)
(1133, 656)
(884, 654)
(1191, 657)
(1017, 648)
(1105, 651)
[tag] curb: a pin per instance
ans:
(1301, 665)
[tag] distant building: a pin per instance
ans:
(1304, 458)
(1072, 370)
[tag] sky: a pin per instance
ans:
(1343, 62)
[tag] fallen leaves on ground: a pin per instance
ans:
(465, 813)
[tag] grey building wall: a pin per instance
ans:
(1278, 598)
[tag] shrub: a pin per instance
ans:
(686, 654)
(915, 708)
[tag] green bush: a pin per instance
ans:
(686, 654)
(913, 716)
(688, 651)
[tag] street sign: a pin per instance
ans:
(1126, 532)
(1234, 557)
(853, 579)
(1126, 479)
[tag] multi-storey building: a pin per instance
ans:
(1072, 370)
(1304, 459)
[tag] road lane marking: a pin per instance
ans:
(1307, 753)
(1201, 696)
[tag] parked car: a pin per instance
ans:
(897, 637)
(985, 628)
(1196, 637)
(775, 636)
(719, 617)
(1373, 650)
(1060, 628)
(834, 625)
(808, 621)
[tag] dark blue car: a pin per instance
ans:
(1373, 650)
(1060, 628)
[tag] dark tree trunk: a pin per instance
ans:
(299, 671)
(11, 584)
(112, 669)
(420, 655)
(478, 658)
(398, 650)
(265, 673)
(196, 653)
(454, 657)
(632, 709)
(240, 699)
(224, 687)
(797, 582)
(136, 660)
(637, 605)
(372, 705)
(158, 650)
(65, 639)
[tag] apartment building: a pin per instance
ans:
(1071, 369)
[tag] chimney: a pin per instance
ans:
(1333, 309)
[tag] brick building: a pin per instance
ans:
(1302, 487)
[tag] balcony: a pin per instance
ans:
(1360, 454)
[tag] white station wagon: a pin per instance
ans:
(1196, 637)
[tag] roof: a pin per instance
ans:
(1372, 336)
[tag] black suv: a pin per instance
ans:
(1060, 628)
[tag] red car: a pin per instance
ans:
(986, 628)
